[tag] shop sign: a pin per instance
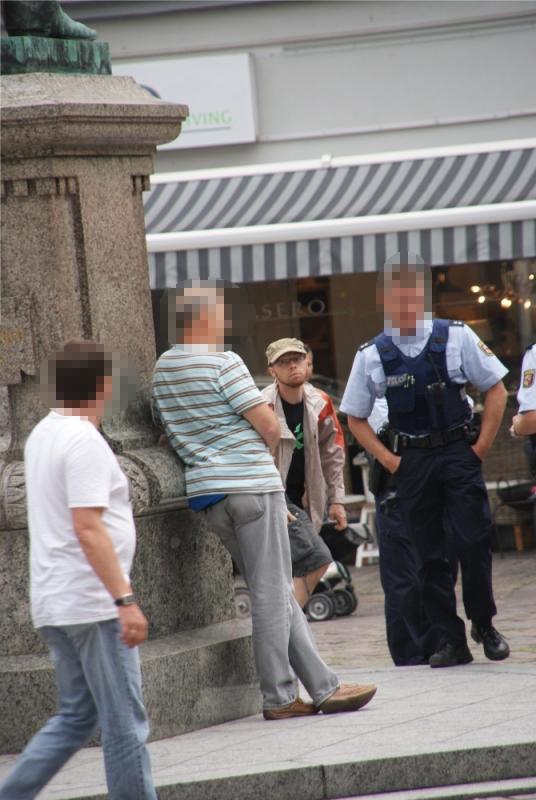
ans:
(292, 310)
(219, 91)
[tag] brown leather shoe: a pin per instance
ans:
(349, 697)
(296, 709)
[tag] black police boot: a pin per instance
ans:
(495, 645)
(450, 655)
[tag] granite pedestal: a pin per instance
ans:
(76, 156)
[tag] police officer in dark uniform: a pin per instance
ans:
(421, 367)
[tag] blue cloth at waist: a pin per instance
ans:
(204, 501)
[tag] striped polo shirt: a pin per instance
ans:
(200, 397)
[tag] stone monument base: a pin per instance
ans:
(190, 680)
(76, 156)
(198, 667)
(23, 54)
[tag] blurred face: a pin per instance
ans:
(213, 322)
(290, 369)
(404, 305)
(107, 388)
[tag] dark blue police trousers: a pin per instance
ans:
(440, 488)
(410, 637)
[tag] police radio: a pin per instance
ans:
(436, 390)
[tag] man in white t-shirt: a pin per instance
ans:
(82, 542)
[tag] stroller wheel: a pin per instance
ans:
(345, 602)
(242, 602)
(320, 607)
(355, 599)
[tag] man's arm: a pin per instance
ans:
(494, 405)
(332, 458)
(263, 419)
(368, 439)
(99, 551)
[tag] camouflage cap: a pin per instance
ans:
(276, 349)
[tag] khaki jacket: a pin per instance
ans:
(324, 450)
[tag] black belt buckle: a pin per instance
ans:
(436, 439)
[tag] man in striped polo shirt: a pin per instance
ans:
(219, 425)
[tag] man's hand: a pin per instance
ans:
(524, 424)
(516, 419)
(392, 463)
(479, 452)
(133, 625)
(370, 442)
(337, 512)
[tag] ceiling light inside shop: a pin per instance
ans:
(527, 304)
(531, 276)
(475, 289)
(506, 302)
(481, 299)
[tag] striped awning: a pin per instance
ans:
(343, 216)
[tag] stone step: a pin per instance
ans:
(191, 679)
(425, 728)
(517, 787)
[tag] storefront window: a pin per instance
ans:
(336, 314)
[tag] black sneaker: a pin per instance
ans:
(450, 655)
(495, 645)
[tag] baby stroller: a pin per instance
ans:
(334, 594)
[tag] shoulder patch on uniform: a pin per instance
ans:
(528, 378)
(485, 349)
(364, 346)
(458, 322)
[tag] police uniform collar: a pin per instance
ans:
(423, 332)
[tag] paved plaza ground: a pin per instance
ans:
(359, 640)
(467, 732)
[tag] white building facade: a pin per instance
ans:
(322, 137)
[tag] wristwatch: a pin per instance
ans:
(126, 600)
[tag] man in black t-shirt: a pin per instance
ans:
(295, 487)
(310, 458)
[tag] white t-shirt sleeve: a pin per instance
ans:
(88, 473)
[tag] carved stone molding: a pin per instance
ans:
(17, 352)
(155, 477)
(28, 187)
(140, 495)
(140, 183)
(13, 496)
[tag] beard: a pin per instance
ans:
(294, 381)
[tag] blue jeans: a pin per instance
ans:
(99, 683)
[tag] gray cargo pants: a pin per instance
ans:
(253, 527)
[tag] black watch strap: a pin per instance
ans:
(126, 600)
